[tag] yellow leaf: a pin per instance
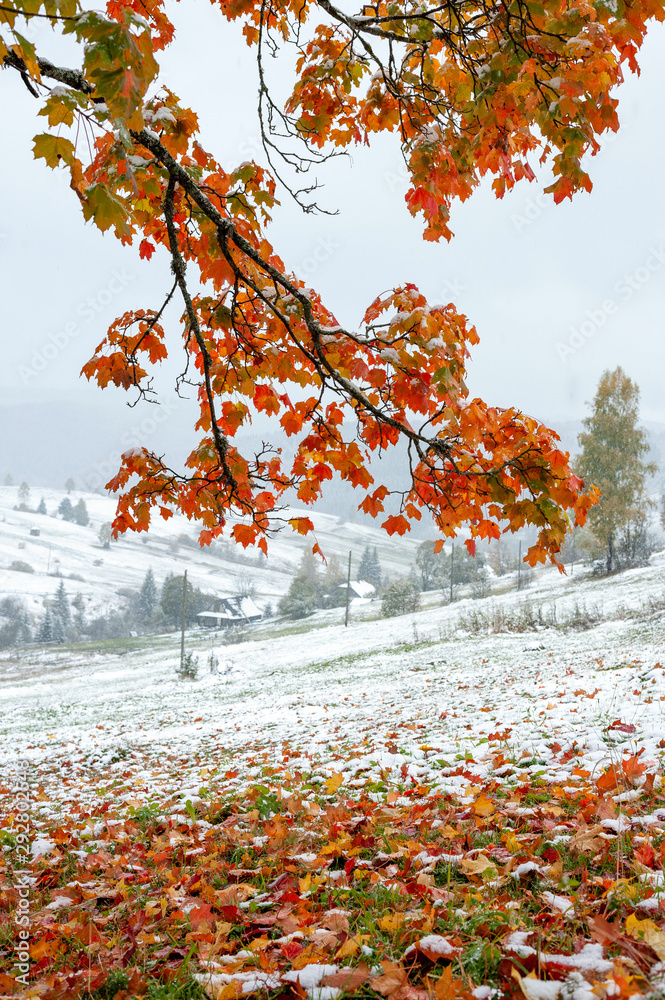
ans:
(350, 947)
(483, 806)
(647, 931)
(53, 149)
(391, 922)
(511, 842)
(449, 832)
(334, 782)
(480, 865)
(260, 943)
(220, 991)
(58, 111)
(44, 948)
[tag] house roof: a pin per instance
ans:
(237, 609)
(361, 588)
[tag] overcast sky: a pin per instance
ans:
(558, 293)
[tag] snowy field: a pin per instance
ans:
(418, 692)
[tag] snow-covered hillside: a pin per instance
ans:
(425, 676)
(74, 553)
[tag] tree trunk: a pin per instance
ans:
(610, 553)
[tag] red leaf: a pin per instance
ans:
(396, 524)
(622, 727)
(644, 854)
(291, 950)
(146, 250)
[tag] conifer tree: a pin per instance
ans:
(42, 507)
(365, 567)
(80, 514)
(66, 510)
(59, 630)
(375, 569)
(45, 632)
(148, 597)
(24, 634)
(61, 606)
(612, 458)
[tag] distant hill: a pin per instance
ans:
(44, 549)
(47, 443)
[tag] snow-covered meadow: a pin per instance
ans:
(419, 693)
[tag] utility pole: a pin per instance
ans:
(572, 562)
(184, 616)
(348, 592)
(519, 567)
(452, 570)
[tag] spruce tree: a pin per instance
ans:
(365, 568)
(375, 569)
(66, 510)
(45, 631)
(612, 458)
(59, 631)
(80, 514)
(61, 606)
(24, 635)
(147, 597)
(42, 507)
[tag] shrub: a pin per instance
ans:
(399, 598)
(21, 567)
(188, 669)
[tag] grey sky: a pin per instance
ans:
(534, 278)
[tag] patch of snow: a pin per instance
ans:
(434, 943)
(562, 903)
